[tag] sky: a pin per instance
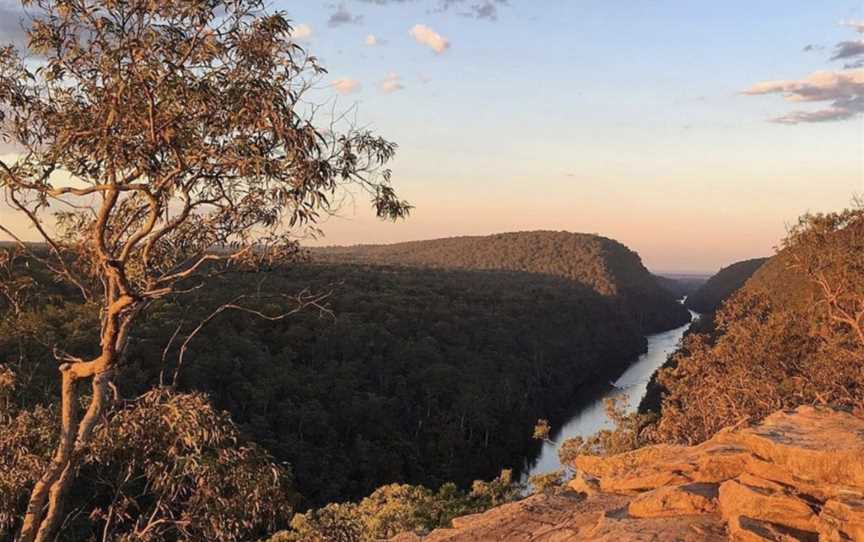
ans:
(625, 118)
(694, 132)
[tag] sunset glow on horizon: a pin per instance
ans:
(695, 142)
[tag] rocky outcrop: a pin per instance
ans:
(797, 476)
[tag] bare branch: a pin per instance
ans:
(302, 301)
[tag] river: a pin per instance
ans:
(592, 417)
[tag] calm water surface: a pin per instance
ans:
(592, 417)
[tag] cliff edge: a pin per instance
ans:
(796, 476)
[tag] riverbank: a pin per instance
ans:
(590, 417)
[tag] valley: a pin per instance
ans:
(431, 271)
(629, 388)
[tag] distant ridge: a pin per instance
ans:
(726, 282)
(680, 285)
(602, 264)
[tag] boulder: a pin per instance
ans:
(683, 500)
(842, 518)
(763, 503)
(796, 477)
(582, 483)
(811, 444)
(747, 529)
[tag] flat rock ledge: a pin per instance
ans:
(796, 477)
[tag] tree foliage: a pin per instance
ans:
(167, 466)
(624, 436)
(160, 144)
(398, 508)
(418, 376)
(791, 336)
(721, 286)
(600, 264)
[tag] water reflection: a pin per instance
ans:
(634, 382)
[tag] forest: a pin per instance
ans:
(704, 298)
(792, 335)
(710, 296)
(422, 376)
(602, 264)
(176, 366)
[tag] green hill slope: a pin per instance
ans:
(718, 288)
(601, 264)
(792, 335)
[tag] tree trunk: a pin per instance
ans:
(45, 509)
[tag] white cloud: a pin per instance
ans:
(392, 83)
(857, 25)
(842, 93)
(428, 37)
(372, 40)
(818, 86)
(302, 32)
(346, 85)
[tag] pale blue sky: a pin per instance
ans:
(623, 118)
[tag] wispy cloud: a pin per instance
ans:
(302, 32)
(424, 35)
(848, 49)
(851, 51)
(346, 85)
(392, 83)
(858, 26)
(343, 16)
(478, 9)
(842, 92)
(372, 40)
(487, 10)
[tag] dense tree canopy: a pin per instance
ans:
(166, 467)
(160, 144)
(598, 263)
(418, 376)
(793, 335)
(721, 286)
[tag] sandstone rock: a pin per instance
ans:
(717, 461)
(640, 470)
(707, 528)
(843, 519)
(685, 500)
(582, 483)
(764, 503)
(796, 477)
(658, 466)
(746, 529)
(815, 445)
(546, 518)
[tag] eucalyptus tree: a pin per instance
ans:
(160, 143)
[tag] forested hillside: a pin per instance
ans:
(601, 264)
(794, 334)
(709, 297)
(680, 285)
(417, 375)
